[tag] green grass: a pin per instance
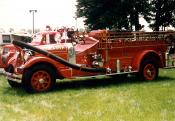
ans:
(101, 99)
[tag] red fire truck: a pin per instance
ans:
(102, 52)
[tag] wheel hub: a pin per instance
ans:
(149, 72)
(41, 80)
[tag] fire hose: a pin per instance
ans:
(59, 59)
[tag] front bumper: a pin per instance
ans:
(14, 77)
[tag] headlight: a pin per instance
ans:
(4, 54)
(5, 51)
(27, 54)
(4, 58)
(71, 54)
(0, 50)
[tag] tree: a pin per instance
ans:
(163, 14)
(29, 31)
(37, 30)
(138, 8)
(98, 14)
(2, 30)
(11, 30)
(113, 13)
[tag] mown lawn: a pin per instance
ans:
(100, 99)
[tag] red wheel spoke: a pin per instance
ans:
(149, 71)
(41, 80)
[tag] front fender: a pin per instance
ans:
(143, 55)
(61, 70)
(40, 59)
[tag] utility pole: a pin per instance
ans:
(33, 19)
(76, 23)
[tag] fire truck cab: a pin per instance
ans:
(101, 52)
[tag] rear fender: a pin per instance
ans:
(146, 55)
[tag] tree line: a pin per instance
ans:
(118, 14)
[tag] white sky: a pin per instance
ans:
(56, 13)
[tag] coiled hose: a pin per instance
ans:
(59, 59)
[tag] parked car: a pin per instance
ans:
(6, 48)
(7, 38)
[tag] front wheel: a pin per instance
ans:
(39, 78)
(14, 84)
(148, 71)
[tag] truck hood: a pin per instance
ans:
(58, 46)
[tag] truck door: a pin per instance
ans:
(115, 53)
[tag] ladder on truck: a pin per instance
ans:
(108, 38)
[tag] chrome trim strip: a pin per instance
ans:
(71, 54)
(131, 72)
(169, 67)
(14, 77)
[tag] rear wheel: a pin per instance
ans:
(39, 78)
(148, 71)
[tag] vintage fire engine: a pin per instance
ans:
(102, 52)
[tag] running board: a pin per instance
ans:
(121, 73)
(169, 67)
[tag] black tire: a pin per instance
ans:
(38, 79)
(148, 71)
(121, 76)
(14, 84)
